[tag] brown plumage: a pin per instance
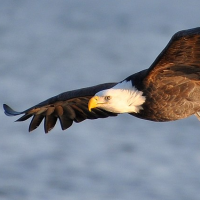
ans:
(171, 86)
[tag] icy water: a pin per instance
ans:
(48, 47)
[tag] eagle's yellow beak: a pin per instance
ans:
(93, 103)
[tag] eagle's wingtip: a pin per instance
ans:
(9, 111)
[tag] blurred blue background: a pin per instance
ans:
(48, 47)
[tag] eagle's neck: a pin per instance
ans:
(125, 98)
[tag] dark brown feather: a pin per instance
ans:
(24, 117)
(49, 122)
(65, 122)
(35, 122)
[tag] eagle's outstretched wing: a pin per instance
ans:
(67, 107)
(182, 54)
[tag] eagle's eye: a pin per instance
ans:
(107, 98)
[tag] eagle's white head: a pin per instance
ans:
(122, 98)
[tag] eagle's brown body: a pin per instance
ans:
(171, 87)
(172, 84)
(168, 98)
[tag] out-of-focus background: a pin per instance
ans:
(48, 47)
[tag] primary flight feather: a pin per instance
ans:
(168, 90)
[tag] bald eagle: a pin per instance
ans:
(168, 90)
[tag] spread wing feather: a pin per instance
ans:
(182, 53)
(68, 107)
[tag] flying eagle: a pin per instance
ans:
(168, 90)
